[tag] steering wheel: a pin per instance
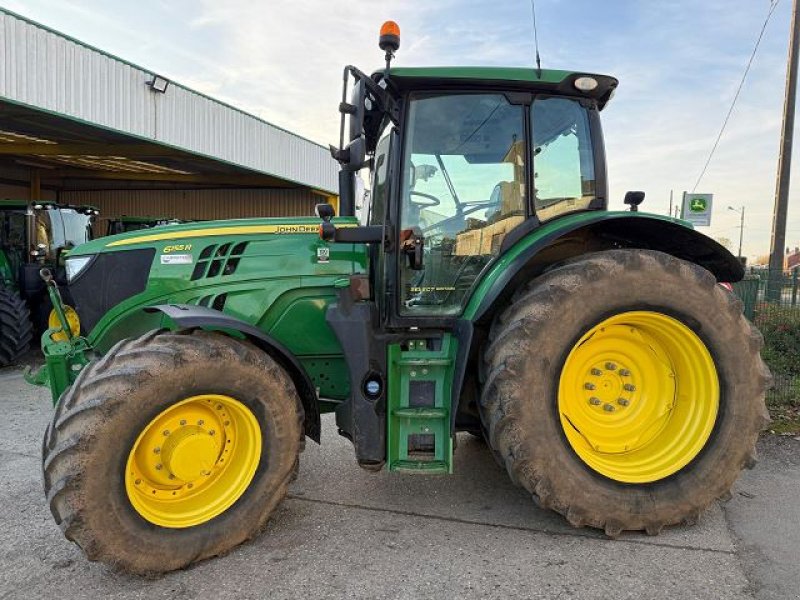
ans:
(429, 200)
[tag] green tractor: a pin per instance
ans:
(127, 223)
(487, 289)
(33, 235)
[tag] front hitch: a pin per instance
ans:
(65, 351)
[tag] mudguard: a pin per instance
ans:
(188, 316)
(528, 253)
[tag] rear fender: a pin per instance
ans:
(188, 316)
(533, 253)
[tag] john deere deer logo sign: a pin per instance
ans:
(697, 209)
(698, 205)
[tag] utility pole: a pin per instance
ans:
(778, 243)
(741, 227)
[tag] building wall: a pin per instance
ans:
(196, 204)
(42, 68)
(22, 192)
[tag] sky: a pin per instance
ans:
(679, 63)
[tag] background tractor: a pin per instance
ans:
(490, 290)
(32, 235)
(127, 223)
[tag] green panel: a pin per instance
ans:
(329, 374)
(431, 373)
(301, 321)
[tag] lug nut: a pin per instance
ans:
(588, 386)
(156, 450)
(171, 476)
(594, 401)
(624, 372)
(183, 422)
(159, 467)
(200, 422)
(166, 432)
(630, 387)
(610, 366)
(608, 408)
(623, 401)
(596, 372)
(211, 432)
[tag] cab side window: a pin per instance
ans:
(563, 157)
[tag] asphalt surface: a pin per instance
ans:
(347, 533)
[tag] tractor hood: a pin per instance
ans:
(183, 232)
(218, 264)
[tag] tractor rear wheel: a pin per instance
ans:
(171, 448)
(16, 330)
(625, 390)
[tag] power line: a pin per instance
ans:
(772, 7)
(536, 39)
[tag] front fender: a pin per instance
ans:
(189, 316)
(533, 252)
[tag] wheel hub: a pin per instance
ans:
(625, 410)
(190, 453)
(193, 460)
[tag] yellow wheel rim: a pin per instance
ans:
(193, 461)
(638, 397)
(73, 321)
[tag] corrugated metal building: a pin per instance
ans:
(82, 126)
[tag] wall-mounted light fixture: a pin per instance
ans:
(158, 84)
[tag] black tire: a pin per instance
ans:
(98, 419)
(529, 343)
(16, 330)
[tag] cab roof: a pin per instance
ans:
(513, 78)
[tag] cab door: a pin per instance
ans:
(462, 190)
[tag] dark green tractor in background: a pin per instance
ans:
(488, 289)
(33, 235)
(127, 223)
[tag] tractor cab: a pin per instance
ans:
(34, 235)
(464, 161)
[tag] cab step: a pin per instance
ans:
(420, 385)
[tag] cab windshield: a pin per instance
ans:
(61, 229)
(465, 172)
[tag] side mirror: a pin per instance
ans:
(352, 157)
(634, 199)
(324, 211)
(356, 109)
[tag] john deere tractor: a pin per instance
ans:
(127, 223)
(487, 289)
(33, 235)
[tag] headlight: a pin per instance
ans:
(586, 84)
(76, 264)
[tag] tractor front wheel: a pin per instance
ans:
(171, 448)
(16, 330)
(624, 390)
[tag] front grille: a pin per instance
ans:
(218, 260)
(108, 280)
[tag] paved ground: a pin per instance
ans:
(348, 533)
